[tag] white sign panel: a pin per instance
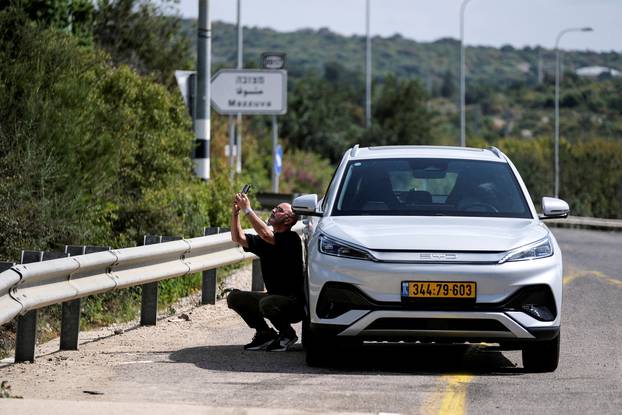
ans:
(249, 91)
(183, 77)
(273, 60)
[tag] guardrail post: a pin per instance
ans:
(70, 315)
(149, 304)
(257, 282)
(208, 280)
(26, 337)
(89, 249)
(73, 250)
(70, 325)
(47, 255)
(149, 292)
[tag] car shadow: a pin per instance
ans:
(379, 358)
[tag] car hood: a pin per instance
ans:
(437, 233)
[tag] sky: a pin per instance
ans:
(487, 22)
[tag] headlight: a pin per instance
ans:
(539, 249)
(330, 246)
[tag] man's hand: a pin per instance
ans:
(241, 201)
(237, 234)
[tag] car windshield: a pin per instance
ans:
(430, 187)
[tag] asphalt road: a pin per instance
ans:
(200, 363)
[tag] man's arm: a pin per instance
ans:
(237, 233)
(264, 231)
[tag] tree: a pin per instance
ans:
(321, 118)
(448, 85)
(140, 34)
(400, 115)
(83, 144)
(75, 16)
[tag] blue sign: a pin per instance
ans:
(278, 160)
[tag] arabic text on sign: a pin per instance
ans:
(245, 92)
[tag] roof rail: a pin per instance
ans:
(496, 151)
(354, 150)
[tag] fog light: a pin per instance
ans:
(540, 312)
(536, 301)
(338, 298)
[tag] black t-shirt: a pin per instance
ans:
(281, 263)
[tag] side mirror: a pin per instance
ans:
(553, 208)
(306, 205)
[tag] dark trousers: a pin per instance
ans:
(254, 307)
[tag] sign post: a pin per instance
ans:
(275, 60)
(277, 157)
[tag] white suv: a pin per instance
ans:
(442, 244)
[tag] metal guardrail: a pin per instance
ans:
(24, 288)
(587, 223)
(269, 200)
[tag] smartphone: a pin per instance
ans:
(246, 188)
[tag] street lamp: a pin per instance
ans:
(462, 86)
(367, 70)
(559, 36)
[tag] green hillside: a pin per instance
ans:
(310, 50)
(510, 92)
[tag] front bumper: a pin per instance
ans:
(382, 314)
(440, 326)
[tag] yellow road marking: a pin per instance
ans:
(450, 399)
(452, 396)
(572, 276)
(601, 276)
(454, 401)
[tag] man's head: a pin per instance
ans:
(282, 217)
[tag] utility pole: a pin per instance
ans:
(203, 93)
(557, 76)
(367, 69)
(462, 76)
(238, 167)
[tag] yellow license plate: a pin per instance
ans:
(438, 289)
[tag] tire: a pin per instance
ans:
(542, 356)
(317, 351)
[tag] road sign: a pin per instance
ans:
(273, 60)
(186, 82)
(278, 160)
(250, 91)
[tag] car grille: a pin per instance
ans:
(436, 324)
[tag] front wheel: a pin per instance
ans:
(317, 351)
(542, 356)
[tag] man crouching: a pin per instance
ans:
(280, 252)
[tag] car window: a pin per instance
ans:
(325, 198)
(431, 186)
